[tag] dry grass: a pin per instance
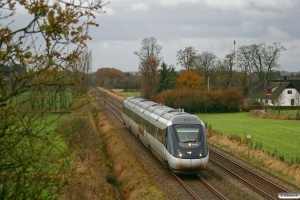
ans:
(111, 92)
(289, 172)
(264, 115)
(134, 182)
(89, 180)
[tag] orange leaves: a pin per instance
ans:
(202, 101)
(189, 80)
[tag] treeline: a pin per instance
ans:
(197, 101)
(113, 78)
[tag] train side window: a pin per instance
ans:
(151, 128)
(144, 124)
(139, 120)
(131, 114)
(135, 118)
(161, 135)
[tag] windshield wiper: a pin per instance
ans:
(190, 141)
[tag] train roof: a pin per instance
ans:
(158, 109)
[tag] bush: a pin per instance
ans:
(196, 101)
(249, 108)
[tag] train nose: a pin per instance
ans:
(192, 164)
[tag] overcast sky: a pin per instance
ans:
(207, 25)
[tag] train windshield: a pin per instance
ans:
(188, 133)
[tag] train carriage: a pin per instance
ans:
(177, 139)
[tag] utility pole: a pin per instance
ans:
(208, 83)
(233, 64)
(234, 56)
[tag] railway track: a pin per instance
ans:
(258, 183)
(261, 185)
(211, 192)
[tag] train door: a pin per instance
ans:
(166, 146)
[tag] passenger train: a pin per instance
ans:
(176, 138)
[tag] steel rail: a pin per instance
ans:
(248, 183)
(250, 172)
(191, 192)
(211, 188)
(101, 99)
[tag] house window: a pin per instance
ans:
(269, 91)
(266, 101)
(290, 92)
(292, 102)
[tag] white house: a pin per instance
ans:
(274, 93)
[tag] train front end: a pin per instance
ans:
(187, 150)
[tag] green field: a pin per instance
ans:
(127, 94)
(283, 135)
(39, 101)
(283, 111)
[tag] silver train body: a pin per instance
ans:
(176, 138)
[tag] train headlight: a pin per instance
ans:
(200, 154)
(179, 154)
(190, 144)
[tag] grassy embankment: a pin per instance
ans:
(108, 161)
(279, 137)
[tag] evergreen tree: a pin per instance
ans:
(168, 77)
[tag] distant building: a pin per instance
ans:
(273, 93)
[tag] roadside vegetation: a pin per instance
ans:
(91, 175)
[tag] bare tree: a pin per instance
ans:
(187, 57)
(150, 58)
(206, 62)
(261, 59)
(271, 55)
(243, 59)
(228, 64)
(82, 70)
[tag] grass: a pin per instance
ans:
(282, 135)
(127, 94)
(43, 100)
(283, 111)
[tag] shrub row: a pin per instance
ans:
(196, 101)
(248, 108)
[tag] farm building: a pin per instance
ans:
(284, 92)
